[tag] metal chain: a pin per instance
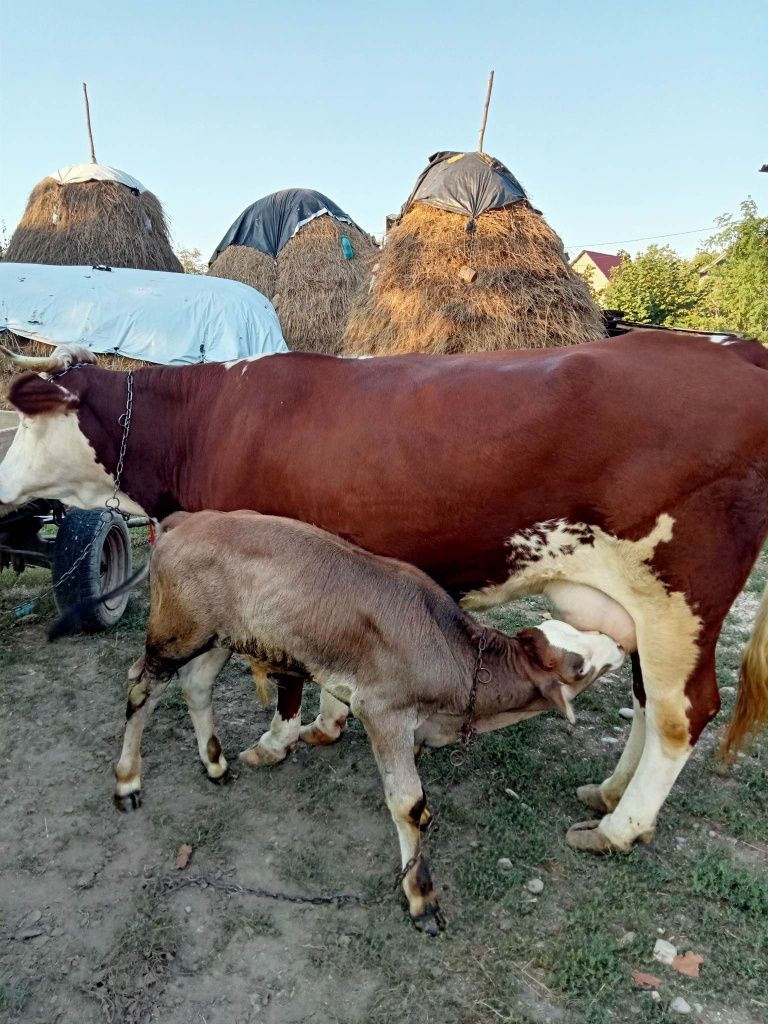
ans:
(111, 505)
(125, 423)
(480, 675)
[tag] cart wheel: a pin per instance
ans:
(106, 565)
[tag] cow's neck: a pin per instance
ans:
(161, 436)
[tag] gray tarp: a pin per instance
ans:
(145, 314)
(466, 183)
(272, 221)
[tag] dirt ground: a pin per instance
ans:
(97, 924)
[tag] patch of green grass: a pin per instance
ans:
(15, 992)
(716, 877)
(205, 828)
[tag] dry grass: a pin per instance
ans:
(247, 265)
(525, 295)
(39, 348)
(92, 222)
(311, 284)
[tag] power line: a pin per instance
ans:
(647, 238)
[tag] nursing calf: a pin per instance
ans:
(377, 634)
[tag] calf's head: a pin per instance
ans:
(562, 661)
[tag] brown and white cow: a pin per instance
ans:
(628, 478)
(377, 634)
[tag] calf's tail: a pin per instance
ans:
(71, 621)
(751, 712)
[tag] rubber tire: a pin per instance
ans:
(105, 566)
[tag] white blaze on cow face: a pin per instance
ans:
(50, 457)
(600, 652)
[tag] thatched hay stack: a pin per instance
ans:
(249, 266)
(316, 285)
(109, 218)
(523, 295)
(290, 250)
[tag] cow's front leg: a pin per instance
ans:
(197, 679)
(283, 734)
(144, 691)
(330, 722)
(392, 740)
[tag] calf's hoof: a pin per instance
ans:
(223, 779)
(259, 756)
(126, 802)
(586, 836)
(431, 921)
(592, 796)
(319, 737)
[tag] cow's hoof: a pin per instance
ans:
(260, 757)
(432, 921)
(318, 737)
(592, 796)
(127, 801)
(586, 836)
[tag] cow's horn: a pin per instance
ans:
(60, 359)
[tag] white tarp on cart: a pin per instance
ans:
(144, 314)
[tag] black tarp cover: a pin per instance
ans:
(272, 221)
(466, 183)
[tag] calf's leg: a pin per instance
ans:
(330, 721)
(392, 740)
(144, 691)
(197, 678)
(283, 734)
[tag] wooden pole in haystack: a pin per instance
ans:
(485, 113)
(88, 121)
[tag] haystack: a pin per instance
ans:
(470, 266)
(291, 247)
(91, 214)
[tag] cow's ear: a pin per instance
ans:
(559, 696)
(538, 649)
(34, 395)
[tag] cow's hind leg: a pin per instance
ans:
(283, 733)
(197, 678)
(392, 740)
(330, 721)
(672, 726)
(605, 796)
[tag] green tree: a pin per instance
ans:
(192, 261)
(734, 283)
(656, 287)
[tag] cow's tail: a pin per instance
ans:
(751, 712)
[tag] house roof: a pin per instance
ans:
(604, 261)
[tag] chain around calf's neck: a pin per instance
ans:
(480, 675)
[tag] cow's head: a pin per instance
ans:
(50, 456)
(563, 661)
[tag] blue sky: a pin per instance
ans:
(623, 119)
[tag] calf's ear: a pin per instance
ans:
(559, 696)
(537, 648)
(34, 395)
